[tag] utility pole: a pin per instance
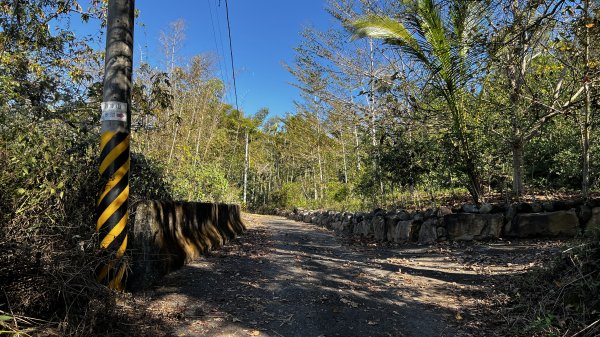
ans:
(112, 206)
(246, 164)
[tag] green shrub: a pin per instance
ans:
(202, 182)
(48, 190)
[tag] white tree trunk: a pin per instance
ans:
(246, 164)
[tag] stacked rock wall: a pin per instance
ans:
(470, 222)
(166, 234)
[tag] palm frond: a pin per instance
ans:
(436, 36)
(381, 27)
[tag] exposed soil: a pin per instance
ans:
(286, 278)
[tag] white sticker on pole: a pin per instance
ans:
(114, 111)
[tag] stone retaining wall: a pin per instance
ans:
(166, 234)
(470, 222)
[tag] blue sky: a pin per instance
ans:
(263, 34)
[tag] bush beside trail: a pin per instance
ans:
(48, 190)
(562, 299)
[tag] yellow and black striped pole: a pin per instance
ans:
(112, 206)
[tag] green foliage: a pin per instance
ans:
(49, 98)
(447, 52)
(47, 197)
(200, 183)
(291, 194)
(147, 180)
(542, 325)
(554, 161)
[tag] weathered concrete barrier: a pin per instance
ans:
(469, 222)
(166, 234)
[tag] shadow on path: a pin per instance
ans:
(285, 278)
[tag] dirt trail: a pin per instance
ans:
(285, 278)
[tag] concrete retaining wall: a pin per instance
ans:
(469, 222)
(166, 234)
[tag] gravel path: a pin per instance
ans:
(285, 278)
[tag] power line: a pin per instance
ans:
(231, 54)
(220, 51)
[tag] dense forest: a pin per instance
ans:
(404, 104)
(496, 100)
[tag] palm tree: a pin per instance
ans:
(446, 47)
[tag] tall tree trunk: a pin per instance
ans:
(246, 164)
(474, 183)
(356, 144)
(517, 141)
(375, 151)
(316, 194)
(586, 125)
(175, 131)
(517, 166)
(320, 171)
(344, 156)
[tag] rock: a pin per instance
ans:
(378, 212)
(428, 231)
(559, 223)
(336, 225)
(403, 215)
(347, 228)
(441, 233)
(391, 230)
(468, 226)
(324, 220)
(470, 208)
(405, 231)
(485, 208)
(584, 213)
(548, 206)
(357, 229)
(430, 213)
(418, 216)
(563, 205)
(593, 224)
(443, 211)
(509, 216)
(390, 225)
(307, 218)
(499, 208)
(364, 228)
(523, 207)
(379, 228)
(536, 207)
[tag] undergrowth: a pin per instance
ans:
(48, 246)
(562, 300)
